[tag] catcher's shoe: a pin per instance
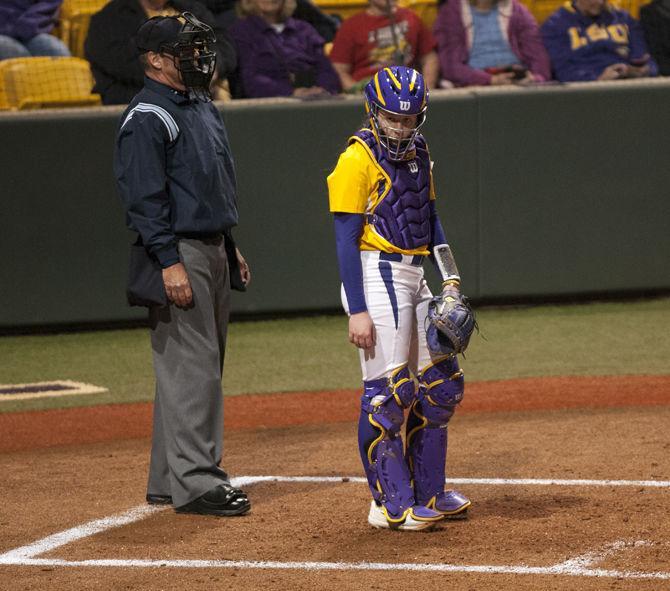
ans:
(450, 504)
(415, 518)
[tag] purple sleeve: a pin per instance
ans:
(38, 17)
(639, 53)
(525, 38)
(348, 229)
(437, 234)
(326, 76)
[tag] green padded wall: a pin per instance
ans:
(573, 191)
(282, 156)
(542, 192)
(453, 147)
(63, 234)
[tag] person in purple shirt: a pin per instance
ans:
(25, 26)
(279, 55)
(591, 40)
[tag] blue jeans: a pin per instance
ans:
(42, 44)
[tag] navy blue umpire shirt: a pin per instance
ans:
(174, 169)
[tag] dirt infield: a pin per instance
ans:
(36, 430)
(63, 469)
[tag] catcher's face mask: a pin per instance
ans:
(193, 54)
(396, 92)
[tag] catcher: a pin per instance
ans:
(383, 200)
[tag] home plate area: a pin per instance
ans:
(574, 528)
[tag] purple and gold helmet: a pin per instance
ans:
(397, 90)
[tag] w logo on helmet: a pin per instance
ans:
(401, 91)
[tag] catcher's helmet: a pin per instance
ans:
(189, 41)
(398, 90)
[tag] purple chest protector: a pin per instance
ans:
(403, 216)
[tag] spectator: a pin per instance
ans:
(280, 55)
(225, 14)
(371, 40)
(110, 45)
(25, 26)
(655, 19)
(591, 40)
(485, 42)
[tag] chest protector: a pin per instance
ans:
(402, 216)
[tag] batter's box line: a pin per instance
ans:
(249, 480)
(53, 388)
(579, 566)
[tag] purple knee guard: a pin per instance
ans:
(440, 390)
(379, 443)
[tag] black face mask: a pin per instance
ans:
(193, 55)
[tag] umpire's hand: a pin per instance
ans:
(177, 285)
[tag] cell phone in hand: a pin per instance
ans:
(519, 71)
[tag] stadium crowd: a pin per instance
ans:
(272, 48)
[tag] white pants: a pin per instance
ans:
(397, 298)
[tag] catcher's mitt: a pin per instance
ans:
(450, 323)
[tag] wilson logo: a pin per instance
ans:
(404, 105)
(413, 167)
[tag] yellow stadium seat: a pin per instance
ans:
(40, 82)
(4, 104)
(542, 9)
(75, 16)
(426, 9)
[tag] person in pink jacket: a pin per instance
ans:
(489, 42)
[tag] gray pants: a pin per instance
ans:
(188, 350)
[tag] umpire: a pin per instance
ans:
(175, 174)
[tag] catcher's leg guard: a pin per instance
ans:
(440, 390)
(381, 450)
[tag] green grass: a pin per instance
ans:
(313, 353)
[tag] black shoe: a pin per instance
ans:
(223, 500)
(159, 499)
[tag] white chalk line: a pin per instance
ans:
(248, 480)
(579, 566)
(77, 533)
(73, 389)
(559, 569)
(590, 558)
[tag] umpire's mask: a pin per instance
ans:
(191, 44)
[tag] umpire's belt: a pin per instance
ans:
(408, 259)
(207, 238)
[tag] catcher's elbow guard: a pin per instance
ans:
(446, 264)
